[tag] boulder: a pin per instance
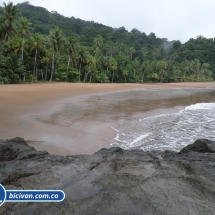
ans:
(202, 145)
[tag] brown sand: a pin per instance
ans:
(26, 110)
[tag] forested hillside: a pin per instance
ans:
(40, 45)
(43, 21)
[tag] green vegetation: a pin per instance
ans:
(38, 45)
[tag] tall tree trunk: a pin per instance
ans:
(46, 72)
(67, 68)
(68, 63)
(52, 67)
(85, 76)
(35, 62)
(76, 65)
(23, 41)
(90, 77)
(142, 77)
(112, 76)
(162, 78)
(36, 72)
(5, 37)
(72, 62)
(80, 73)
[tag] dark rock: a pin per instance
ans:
(17, 148)
(113, 181)
(202, 145)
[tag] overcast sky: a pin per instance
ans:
(172, 19)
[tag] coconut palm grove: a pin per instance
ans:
(37, 45)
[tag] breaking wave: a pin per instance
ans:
(168, 131)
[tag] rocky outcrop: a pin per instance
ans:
(113, 181)
(203, 146)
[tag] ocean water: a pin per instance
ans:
(168, 131)
(145, 119)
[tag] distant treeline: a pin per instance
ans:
(37, 45)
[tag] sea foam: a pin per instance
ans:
(170, 131)
(201, 106)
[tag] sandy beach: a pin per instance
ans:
(53, 116)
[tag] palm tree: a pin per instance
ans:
(71, 49)
(98, 41)
(106, 62)
(196, 66)
(25, 27)
(91, 66)
(145, 67)
(205, 66)
(120, 48)
(45, 60)
(56, 40)
(111, 49)
(162, 67)
(113, 67)
(185, 68)
(203, 70)
(125, 73)
(174, 56)
(83, 54)
(8, 23)
(36, 43)
(136, 65)
(14, 44)
(156, 53)
(145, 53)
(97, 51)
(132, 50)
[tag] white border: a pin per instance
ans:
(34, 191)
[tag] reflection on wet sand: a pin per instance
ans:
(81, 123)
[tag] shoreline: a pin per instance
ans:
(25, 108)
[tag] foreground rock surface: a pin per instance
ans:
(113, 181)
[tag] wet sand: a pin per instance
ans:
(67, 118)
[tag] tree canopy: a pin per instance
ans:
(36, 44)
